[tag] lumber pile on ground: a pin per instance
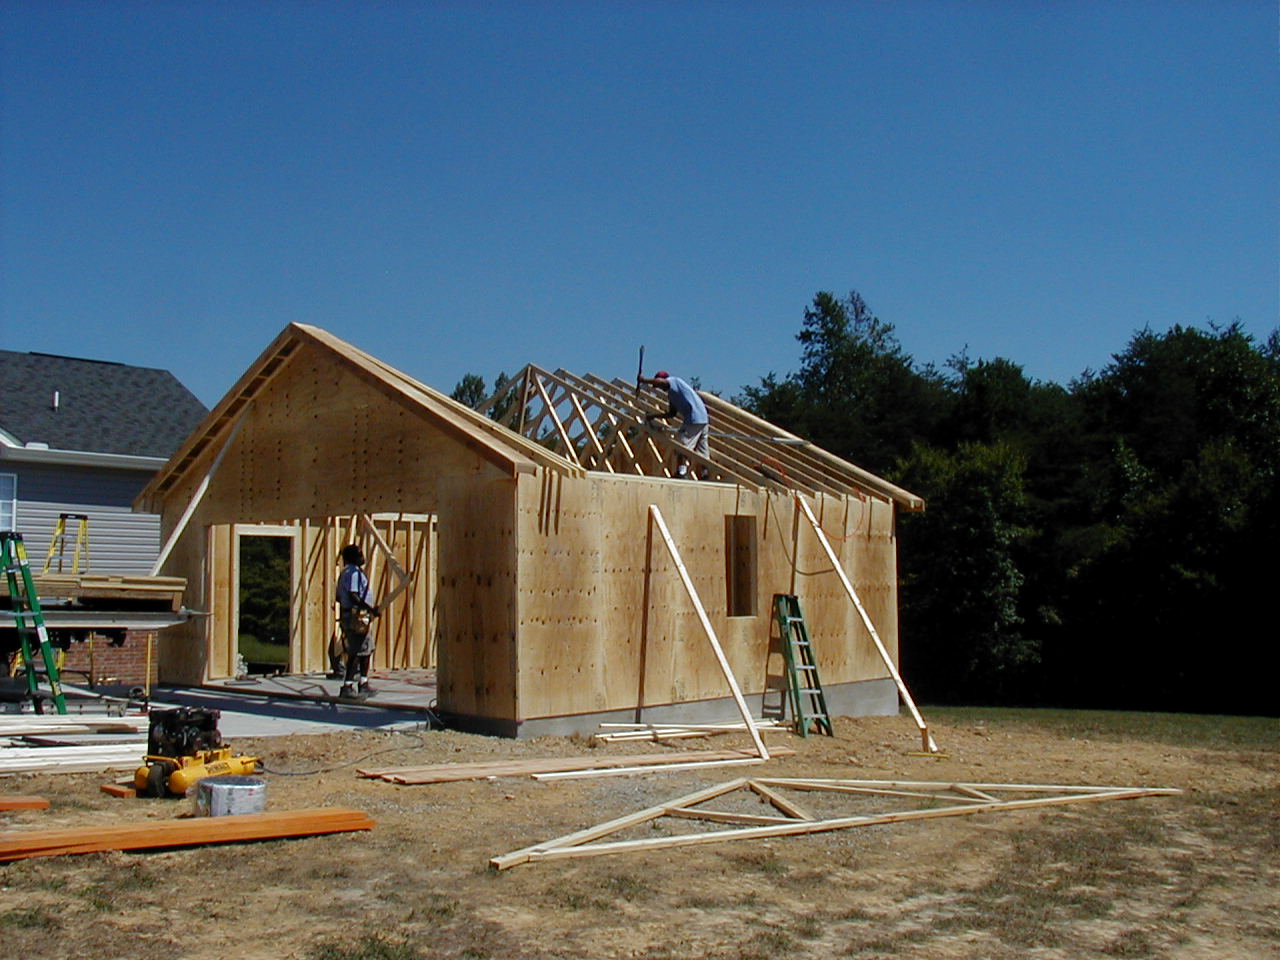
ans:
(160, 592)
(192, 831)
(39, 724)
(482, 770)
(617, 732)
(84, 759)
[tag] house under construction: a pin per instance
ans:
(542, 557)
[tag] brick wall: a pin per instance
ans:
(125, 664)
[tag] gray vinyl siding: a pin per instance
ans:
(120, 541)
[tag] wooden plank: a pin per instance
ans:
(21, 725)
(951, 785)
(646, 768)
(724, 816)
(180, 833)
(747, 718)
(18, 802)
(785, 804)
(448, 772)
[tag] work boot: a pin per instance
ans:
(365, 689)
(348, 691)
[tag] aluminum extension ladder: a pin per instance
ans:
(29, 621)
(808, 703)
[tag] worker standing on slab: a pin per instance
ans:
(695, 425)
(356, 621)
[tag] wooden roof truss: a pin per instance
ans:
(600, 425)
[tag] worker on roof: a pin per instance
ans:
(695, 425)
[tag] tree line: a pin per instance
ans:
(1108, 543)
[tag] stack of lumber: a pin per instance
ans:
(38, 724)
(107, 756)
(615, 732)
(181, 833)
(164, 593)
(18, 758)
(446, 772)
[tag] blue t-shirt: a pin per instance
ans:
(353, 586)
(685, 401)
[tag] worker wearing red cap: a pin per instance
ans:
(683, 401)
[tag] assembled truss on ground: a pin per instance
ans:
(600, 425)
(956, 799)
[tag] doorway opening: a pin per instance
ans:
(263, 590)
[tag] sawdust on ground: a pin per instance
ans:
(1191, 876)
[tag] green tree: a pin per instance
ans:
(857, 393)
(964, 637)
(470, 390)
(1183, 430)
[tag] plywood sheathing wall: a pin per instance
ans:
(583, 646)
(321, 441)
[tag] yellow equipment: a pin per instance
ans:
(184, 746)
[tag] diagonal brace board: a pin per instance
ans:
(927, 742)
(656, 516)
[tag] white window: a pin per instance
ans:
(8, 501)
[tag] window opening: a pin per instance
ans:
(740, 564)
(8, 501)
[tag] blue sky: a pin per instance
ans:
(468, 187)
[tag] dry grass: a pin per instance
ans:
(1191, 877)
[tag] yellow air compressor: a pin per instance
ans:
(184, 746)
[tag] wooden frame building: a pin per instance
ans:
(523, 547)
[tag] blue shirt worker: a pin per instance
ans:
(356, 621)
(695, 426)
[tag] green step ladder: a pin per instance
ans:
(29, 621)
(808, 703)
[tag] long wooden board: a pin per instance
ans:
(182, 833)
(446, 772)
(19, 802)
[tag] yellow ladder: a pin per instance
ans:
(58, 543)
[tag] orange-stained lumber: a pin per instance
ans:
(8, 802)
(192, 831)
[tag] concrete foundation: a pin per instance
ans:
(868, 698)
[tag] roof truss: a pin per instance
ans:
(599, 424)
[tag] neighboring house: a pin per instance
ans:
(84, 437)
(537, 583)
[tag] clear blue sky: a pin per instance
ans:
(467, 187)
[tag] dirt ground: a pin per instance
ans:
(1189, 876)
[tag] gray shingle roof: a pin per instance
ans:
(102, 407)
